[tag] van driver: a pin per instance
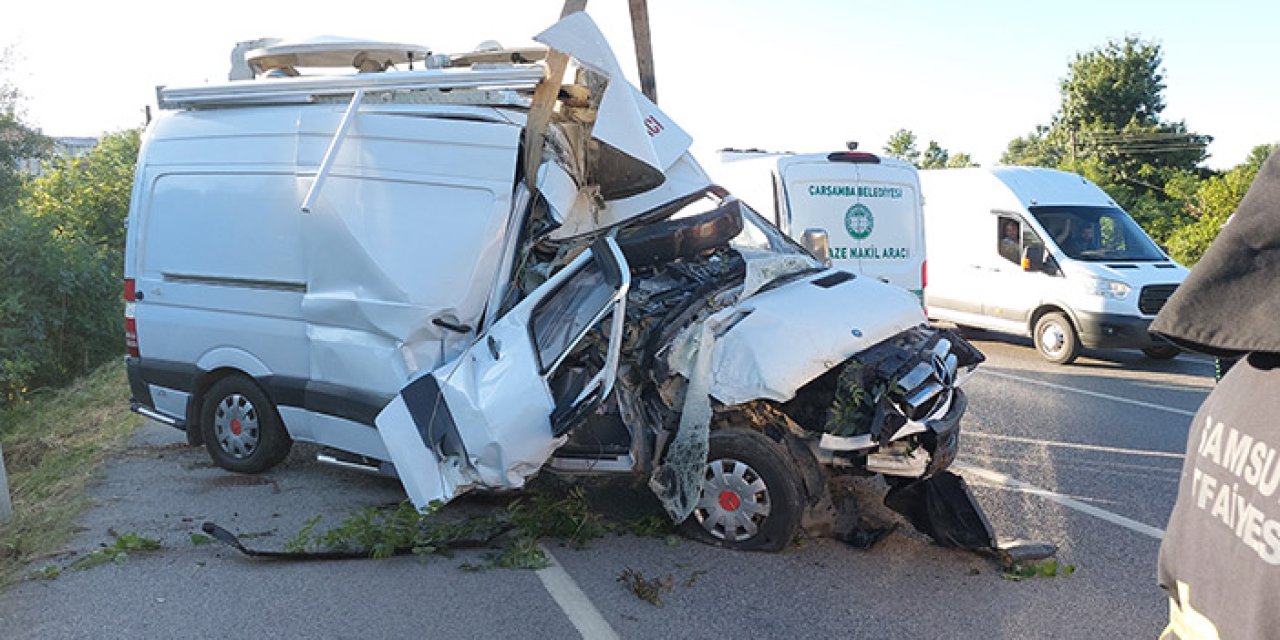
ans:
(1010, 246)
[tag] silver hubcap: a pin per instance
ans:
(1052, 339)
(734, 502)
(235, 426)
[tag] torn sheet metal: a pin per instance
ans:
(824, 326)
(627, 121)
(368, 309)
(677, 482)
(684, 176)
(764, 267)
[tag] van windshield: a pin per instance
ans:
(1097, 233)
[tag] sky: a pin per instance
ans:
(795, 75)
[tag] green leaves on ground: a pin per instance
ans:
(1043, 569)
(117, 552)
(383, 533)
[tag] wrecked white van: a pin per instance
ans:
(464, 273)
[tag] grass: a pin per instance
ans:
(54, 444)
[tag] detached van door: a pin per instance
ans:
(495, 414)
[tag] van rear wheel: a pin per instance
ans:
(242, 430)
(1056, 339)
(752, 497)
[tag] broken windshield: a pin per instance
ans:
(1096, 233)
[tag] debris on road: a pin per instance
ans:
(650, 590)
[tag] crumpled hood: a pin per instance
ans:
(1230, 304)
(796, 332)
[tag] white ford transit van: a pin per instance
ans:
(461, 273)
(1043, 253)
(857, 209)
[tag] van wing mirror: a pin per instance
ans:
(1032, 257)
(817, 242)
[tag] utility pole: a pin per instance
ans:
(6, 504)
(544, 99)
(644, 48)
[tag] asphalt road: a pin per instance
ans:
(1084, 456)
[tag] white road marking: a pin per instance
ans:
(1076, 445)
(1095, 394)
(586, 618)
(1001, 480)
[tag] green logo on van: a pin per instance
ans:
(859, 222)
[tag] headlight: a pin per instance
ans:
(1114, 289)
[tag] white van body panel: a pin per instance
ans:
(824, 325)
(336, 296)
(971, 284)
(871, 211)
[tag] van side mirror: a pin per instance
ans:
(1032, 257)
(815, 240)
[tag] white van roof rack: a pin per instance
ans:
(335, 51)
(309, 88)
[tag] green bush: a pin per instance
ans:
(60, 305)
(61, 261)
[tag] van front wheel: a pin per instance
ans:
(751, 498)
(1056, 339)
(242, 431)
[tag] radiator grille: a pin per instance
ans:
(1153, 297)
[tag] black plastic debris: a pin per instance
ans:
(942, 507)
(230, 539)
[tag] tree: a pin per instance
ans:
(1036, 149)
(1114, 85)
(88, 197)
(1109, 122)
(935, 157)
(960, 160)
(62, 252)
(902, 145)
(1209, 203)
(18, 141)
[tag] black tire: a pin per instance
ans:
(1056, 339)
(1162, 352)
(768, 481)
(242, 429)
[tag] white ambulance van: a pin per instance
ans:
(859, 210)
(1043, 253)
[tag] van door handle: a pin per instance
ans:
(493, 347)
(445, 324)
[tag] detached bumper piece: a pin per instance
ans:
(942, 507)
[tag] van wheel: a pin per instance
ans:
(751, 495)
(242, 430)
(1056, 339)
(1162, 352)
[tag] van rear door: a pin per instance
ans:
(495, 414)
(869, 208)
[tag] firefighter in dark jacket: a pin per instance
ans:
(1220, 558)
